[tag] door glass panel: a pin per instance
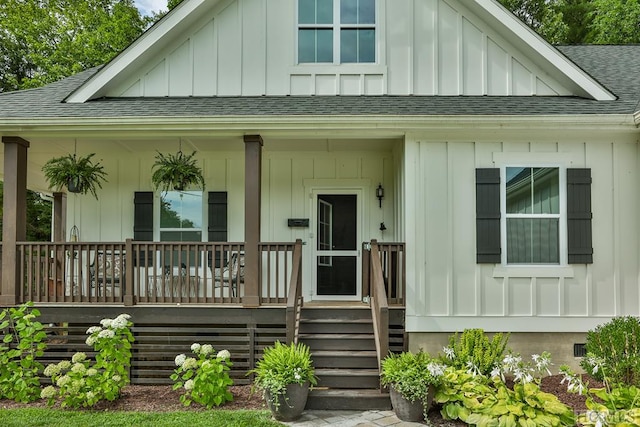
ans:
(337, 245)
(339, 278)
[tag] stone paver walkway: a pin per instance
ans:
(350, 419)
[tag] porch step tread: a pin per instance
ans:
(337, 336)
(348, 399)
(335, 320)
(344, 353)
(341, 372)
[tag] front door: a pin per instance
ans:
(337, 256)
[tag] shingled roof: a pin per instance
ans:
(613, 66)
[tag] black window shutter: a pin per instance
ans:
(143, 216)
(488, 216)
(579, 239)
(217, 228)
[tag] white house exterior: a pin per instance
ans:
(414, 96)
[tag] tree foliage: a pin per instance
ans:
(580, 21)
(42, 41)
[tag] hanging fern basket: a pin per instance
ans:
(176, 172)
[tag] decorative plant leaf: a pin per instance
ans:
(81, 171)
(176, 172)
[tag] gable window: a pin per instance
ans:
(530, 215)
(336, 31)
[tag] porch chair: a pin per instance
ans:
(231, 274)
(107, 272)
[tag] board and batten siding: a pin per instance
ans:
(424, 47)
(448, 290)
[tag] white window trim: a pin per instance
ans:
(336, 26)
(562, 224)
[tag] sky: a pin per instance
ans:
(146, 7)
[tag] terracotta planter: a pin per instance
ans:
(290, 405)
(410, 411)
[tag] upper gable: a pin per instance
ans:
(422, 47)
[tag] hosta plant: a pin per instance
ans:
(614, 404)
(477, 399)
(204, 378)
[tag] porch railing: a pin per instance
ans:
(134, 272)
(391, 257)
(294, 299)
(379, 304)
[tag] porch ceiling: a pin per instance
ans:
(44, 148)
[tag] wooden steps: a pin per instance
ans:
(343, 349)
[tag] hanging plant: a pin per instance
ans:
(77, 174)
(176, 172)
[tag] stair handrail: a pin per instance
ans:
(379, 304)
(294, 298)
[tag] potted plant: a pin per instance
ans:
(410, 377)
(176, 172)
(284, 374)
(77, 174)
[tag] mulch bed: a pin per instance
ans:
(161, 398)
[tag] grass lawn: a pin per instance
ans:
(33, 417)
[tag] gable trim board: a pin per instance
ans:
(171, 32)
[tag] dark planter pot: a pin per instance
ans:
(410, 411)
(290, 405)
(73, 185)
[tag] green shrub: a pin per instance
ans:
(411, 374)
(206, 379)
(616, 344)
(80, 382)
(473, 348)
(21, 345)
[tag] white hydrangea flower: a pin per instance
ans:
(90, 395)
(195, 347)
(91, 372)
(51, 370)
(207, 349)
(116, 378)
(91, 340)
(190, 363)
(78, 357)
(180, 359)
(93, 330)
(48, 392)
(106, 333)
(64, 365)
(119, 323)
(188, 385)
(224, 355)
(79, 368)
(63, 381)
(106, 323)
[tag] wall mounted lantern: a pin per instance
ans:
(380, 194)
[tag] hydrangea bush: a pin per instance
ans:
(81, 382)
(204, 378)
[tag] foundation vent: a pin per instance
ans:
(579, 350)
